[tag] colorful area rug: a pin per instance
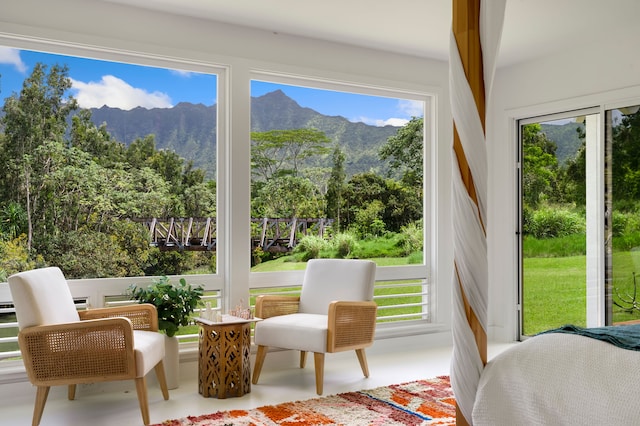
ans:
(423, 402)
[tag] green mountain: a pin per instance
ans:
(190, 130)
(566, 138)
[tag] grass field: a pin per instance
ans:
(555, 290)
(554, 293)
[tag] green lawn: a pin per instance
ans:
(554, 293)
(555, 290)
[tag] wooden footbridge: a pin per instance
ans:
(200, 234)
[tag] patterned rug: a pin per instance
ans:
(423, 402)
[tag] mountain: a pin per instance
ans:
(566, 138)
(190, 130)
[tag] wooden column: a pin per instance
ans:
(466, 30)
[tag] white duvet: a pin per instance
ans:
(560, 379)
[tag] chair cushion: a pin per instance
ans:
(326, 280)
(149, 350)
(42, 297)
(304, 332)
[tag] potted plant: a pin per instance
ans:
(175, 303)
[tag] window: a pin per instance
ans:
(338, 171)
(121, 181)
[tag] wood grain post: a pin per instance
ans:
(466, 30)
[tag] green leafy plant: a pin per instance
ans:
(175, 302)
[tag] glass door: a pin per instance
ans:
(559, 189)
(622, 204)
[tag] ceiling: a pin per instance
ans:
(532, 28)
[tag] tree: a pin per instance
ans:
(625, 170)
(405, 152)
(280, 152)
(96, 141)
(34, 126)
(335, 186)
(540, 165)
(401, 205)
(13, 220)
(287, 197)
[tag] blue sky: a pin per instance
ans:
(126, 86)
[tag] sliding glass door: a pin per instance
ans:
(559, 198)
(622, 204)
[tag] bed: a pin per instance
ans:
(563, 378)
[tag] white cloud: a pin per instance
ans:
(182, 73)
(117, 93)
(11, 56)
(411, 108)
(398, 122)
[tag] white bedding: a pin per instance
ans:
(560, 379)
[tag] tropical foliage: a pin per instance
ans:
(70, 191)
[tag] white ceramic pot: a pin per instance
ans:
(172, 361)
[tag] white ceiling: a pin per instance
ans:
(532, 28)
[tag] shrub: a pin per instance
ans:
(345, 244)
(415, 258)
(309, 247)
(548, 222)
(411, 237)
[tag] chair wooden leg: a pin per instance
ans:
(363, 362)
(262, 352)
(303, 359)
(41, 399)
(162, 379)
(141, 388)
(71, 392)
(318, 359)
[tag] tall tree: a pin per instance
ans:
(405, 152)
(540, 165)
(281, 152)
(34, 126)
(335, 186)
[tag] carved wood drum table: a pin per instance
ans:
(224, 366)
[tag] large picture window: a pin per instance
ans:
(110, 167)
(339, 171)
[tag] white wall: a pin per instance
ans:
(594, 74)
(108, 31)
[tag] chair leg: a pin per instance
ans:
(141, 388)
(318, 359)
(71, 392)
(262, 352)
(363, 362)
(303, 359)
(41, 399)
(162, 379)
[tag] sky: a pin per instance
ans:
(126, 86)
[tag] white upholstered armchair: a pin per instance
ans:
(61, 346)
(334, 312)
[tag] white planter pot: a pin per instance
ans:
(172, 361)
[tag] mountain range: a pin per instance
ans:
(190, 130)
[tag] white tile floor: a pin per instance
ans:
(115, 404)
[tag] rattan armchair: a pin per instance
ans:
(61, 346)
(334, 312)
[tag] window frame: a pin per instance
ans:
(259, 280)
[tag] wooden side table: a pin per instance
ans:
(224, 366)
